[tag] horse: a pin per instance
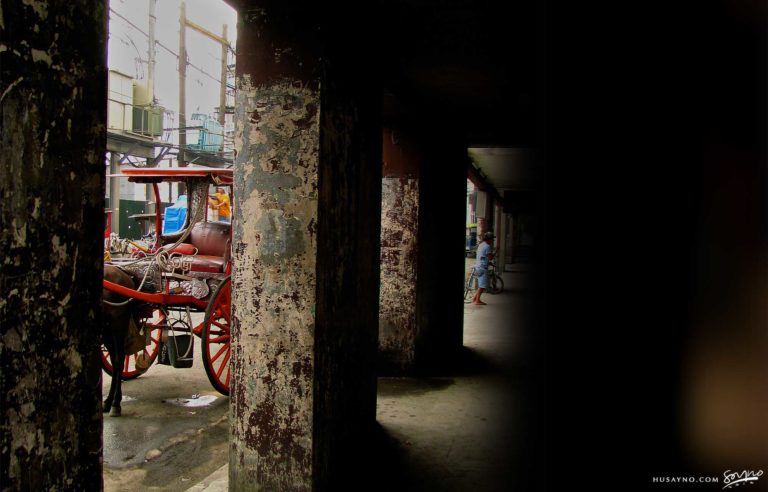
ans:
(114, 330)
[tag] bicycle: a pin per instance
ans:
(495, 282)
(469, 284)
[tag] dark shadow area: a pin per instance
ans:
(394, 387)
(462, 362)
(667, 220)
(384, 464)
(483, 444)
(390, 464)
(522, 291)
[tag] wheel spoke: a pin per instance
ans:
(222, 338)
(217, 351)
(222, 311)
(218, 354)
(224, 364)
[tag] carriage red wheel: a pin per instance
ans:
(216, 334)
(130, 371)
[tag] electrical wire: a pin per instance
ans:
(229, 48)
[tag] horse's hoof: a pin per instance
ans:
(115, 412)
(106, 409)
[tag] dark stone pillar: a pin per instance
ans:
(422, 251)
(53, 93)
(442, 229)
(399, 232)
(305, 250)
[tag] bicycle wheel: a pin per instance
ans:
(468, 285)
(495, 284)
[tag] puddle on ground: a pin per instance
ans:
(193, 401)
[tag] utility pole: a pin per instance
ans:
(182, 82)
(223, 92)
(149, 193)
(224, 45)
(151, 52)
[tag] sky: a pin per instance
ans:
(127, 49)
(127, 53)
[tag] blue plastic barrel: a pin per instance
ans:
(175, 216)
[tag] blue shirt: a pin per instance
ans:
(483, 251)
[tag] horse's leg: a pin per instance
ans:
(117, 370)
(110, 344)
(115, 329)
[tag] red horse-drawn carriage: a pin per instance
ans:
(176, 276)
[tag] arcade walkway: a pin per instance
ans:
(460, 429)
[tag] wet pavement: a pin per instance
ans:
(173, 431)
(451, 431)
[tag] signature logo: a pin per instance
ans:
(737, 478)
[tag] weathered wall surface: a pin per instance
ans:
(52, 116)
(274, 286)
(399, 230)
(305, 257)
(397, 308)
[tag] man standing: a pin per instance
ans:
(220, 202)
(484, 255)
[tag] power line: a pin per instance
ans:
(167, 48)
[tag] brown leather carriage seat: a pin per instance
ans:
(211, 239)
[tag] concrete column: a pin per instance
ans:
(481, 212)
(53, 93)
(422, 251)
(501, 234)
(442, 229)
(399, 230)
(305, 252)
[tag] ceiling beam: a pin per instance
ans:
(478, 178)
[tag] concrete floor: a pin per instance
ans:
(462, 428)
(455, 430)
(172, 434)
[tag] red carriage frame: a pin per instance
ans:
(214, 331)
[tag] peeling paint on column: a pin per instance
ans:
(400, 224)
(305, 250)
(274, 253)
(397, 306)
(53, 111)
